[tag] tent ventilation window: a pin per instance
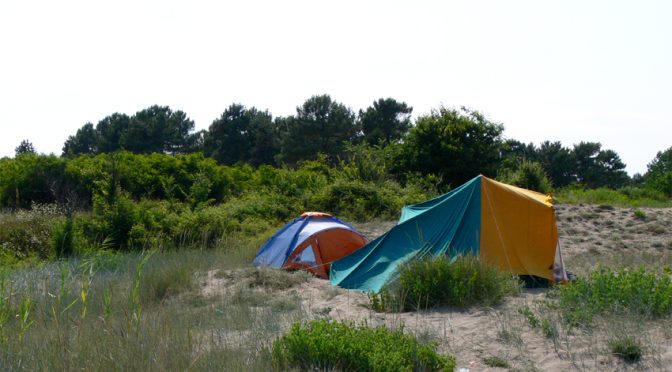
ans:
(307, 256)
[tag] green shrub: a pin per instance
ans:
(496, 362)
(357, 199)
(531, 317)
(623, 291)
(626, 348)
(529, 175)
(462, 282)
(26, 234)
(331, 345)
(639, 214)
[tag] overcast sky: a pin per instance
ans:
(564, 70)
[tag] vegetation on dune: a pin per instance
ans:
(103, 251)
(440, 281)
(146, 201)
(111, 311)
(331, 345)
(627, 348)
(638, 291)
(132, 182)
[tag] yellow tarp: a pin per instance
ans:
(518, 231)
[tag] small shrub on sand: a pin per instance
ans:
(330, 345)
(496, 362)
(626, 348)
(639, 214)
(464, 282)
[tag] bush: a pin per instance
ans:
(27, 233)
(626, 348)
(464, 282)
(529, 175)
(359, 200)
(623, 291)
(331, 345)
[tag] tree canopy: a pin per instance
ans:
(25, 147)
(154, 129)
(448, 144)
(320, 125)
(241, 135)
(456, 145)
(659, 173)
(386, 121)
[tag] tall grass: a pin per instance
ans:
(114, 311)
(462, 282)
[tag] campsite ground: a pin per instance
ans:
(209, 310)
(482, 338)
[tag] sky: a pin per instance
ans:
(565, 71)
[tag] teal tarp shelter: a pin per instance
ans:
(509, 227)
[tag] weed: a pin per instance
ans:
(626, 348)
(277, 279)
(496, 362)
(548, 328)
(639, 214)
(529, 315)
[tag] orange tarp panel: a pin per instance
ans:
(517, 235)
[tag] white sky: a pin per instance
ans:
(569, 71)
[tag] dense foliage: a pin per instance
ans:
(448, 144)
(331, 345)
(133, 181)
(134, 201)
(659, 175)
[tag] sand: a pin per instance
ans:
(590, 235)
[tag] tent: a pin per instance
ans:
(310, 242)
(511, 228)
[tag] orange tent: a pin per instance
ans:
(311, 242)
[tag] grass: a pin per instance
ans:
(276, 279)
(109, 311)
(331, 345)
(496, 362)
(622, 291)
(464, 282)
(627, 348)
(135, 312)
(629, 197)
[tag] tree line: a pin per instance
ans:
(447, 145)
